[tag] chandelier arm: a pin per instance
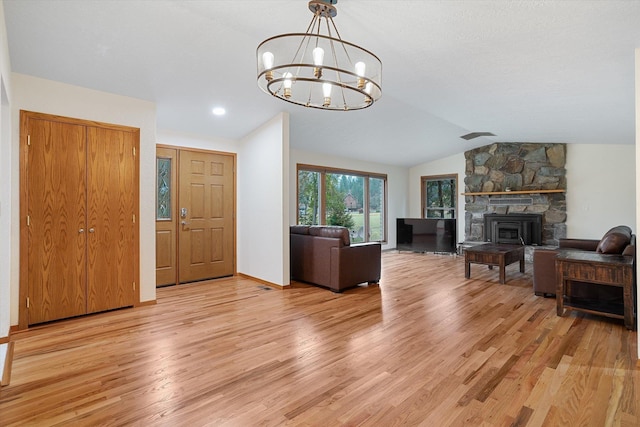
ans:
(318, 29)
(346, 52)
(313, 20)
(317, 19)
(295, 55)
(335, 58)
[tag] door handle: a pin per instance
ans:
(81, 231)
(184, 223)
(92, 230)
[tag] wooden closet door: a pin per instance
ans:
(56, 232)
(111, 181)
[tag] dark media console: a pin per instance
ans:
(426, 235)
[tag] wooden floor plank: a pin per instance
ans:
(425, 347)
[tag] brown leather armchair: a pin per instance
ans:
(618, 240)
(323, 255)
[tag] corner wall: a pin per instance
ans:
(263, 203)
(6, 200)
(46, 96)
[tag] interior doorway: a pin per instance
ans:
(195, 215)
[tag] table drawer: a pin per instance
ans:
(614, 274)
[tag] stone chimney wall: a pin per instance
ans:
(508, 167)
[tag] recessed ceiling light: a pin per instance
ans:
(219, 111)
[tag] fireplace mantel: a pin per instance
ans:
(495, 193)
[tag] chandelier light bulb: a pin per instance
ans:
(287, 84)
(326, 91)
(367, 90)
(318, 58)
(267, 61)
(360, 70)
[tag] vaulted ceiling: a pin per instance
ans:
(527, 71)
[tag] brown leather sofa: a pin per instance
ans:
(323, 255)
(618, 240)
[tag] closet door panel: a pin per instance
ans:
(56, 235)
(111, 223)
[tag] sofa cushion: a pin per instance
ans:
(623, 229)
(615, 240)
(332, 231)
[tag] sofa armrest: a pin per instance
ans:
(581, 244)
(355, 264)
(544, 271)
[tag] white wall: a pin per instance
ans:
(449, 165)
(167, 137)
(601, 190)
(45, 96)
(6, 201)
(397, 181)
(263, 203)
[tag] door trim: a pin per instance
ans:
(25, 116)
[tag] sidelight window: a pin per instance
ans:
(163, 188)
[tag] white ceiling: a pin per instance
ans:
(527, 71)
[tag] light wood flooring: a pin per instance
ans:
(427, 347)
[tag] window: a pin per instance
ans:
(163, 189)
(439, 196)
(355, 200)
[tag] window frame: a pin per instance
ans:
(323, 170)
(423, 192)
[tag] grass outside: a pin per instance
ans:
(374, 225)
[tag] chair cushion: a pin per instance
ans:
(333, 231)
(615, 240)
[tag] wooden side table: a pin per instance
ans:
(599, 269)
(493, 254)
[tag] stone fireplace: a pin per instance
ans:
(509, 179)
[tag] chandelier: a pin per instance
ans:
(317, 68)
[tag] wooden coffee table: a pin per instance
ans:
(493, 254)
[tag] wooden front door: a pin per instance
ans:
(56, 227)
(206, 216)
